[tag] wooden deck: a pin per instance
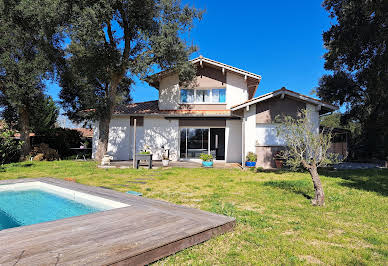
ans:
(139, 234)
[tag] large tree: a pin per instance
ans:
(28, 44)
(357, 56)
(43, 116)
(111, 42)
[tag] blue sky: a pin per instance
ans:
(279, 40)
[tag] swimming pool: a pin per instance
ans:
(36, 202)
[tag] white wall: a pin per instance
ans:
(155, 133)
(266, 135)
(314, 116)
(236, 89)
(233, 141)
(160, 132)
(119, 144)
(95, 138)
(169, 93)
(250, 129)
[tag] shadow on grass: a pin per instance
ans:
(300, 187)
(374, 180)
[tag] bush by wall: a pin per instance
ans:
(9, 147)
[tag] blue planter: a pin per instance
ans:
(207, 164)
(250, 164)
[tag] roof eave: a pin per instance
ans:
(289, 93)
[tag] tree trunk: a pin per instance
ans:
(319, 198)
(24, 124)
(103, 138)
(103, 125)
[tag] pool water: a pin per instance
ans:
(25, 207)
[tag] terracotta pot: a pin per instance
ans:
(278, 163)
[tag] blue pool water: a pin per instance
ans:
(18, 208)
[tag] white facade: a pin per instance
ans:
(156, 133)
(233, 144)
(266, 135)
(236, 89)
(250, 129)
(160, 134)
(242, 135)
(169, 93)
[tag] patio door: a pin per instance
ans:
(194, 141)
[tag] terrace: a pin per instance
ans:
(143, 232)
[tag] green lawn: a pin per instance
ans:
(275, 222)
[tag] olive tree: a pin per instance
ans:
(306, 147)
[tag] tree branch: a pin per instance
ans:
(127, 39)
(110, 34)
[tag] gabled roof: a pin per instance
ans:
(282, 92)
(153, 79)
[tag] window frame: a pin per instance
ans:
(195, 95)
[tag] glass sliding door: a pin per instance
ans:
(217, 143)
(194, 141)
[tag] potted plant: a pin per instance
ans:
(251, 159)
(165, 160)
(278, 157)
(207, 160)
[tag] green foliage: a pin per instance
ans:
(337, 120)
(61, 140)
(206, 157)
(111, 42)
(251, 157)
(43, 115)
(305, 146)
(358, 58)
(9, 147)
(28, 44)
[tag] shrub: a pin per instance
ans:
(206, 157)
(9, 147)
(44, 152)
(61, 140)
(251, 157)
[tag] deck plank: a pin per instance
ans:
(141, 233)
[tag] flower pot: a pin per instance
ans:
(278, 163)
(165, 162)
(250, 164)
(207, 164)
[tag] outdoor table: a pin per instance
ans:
(81, 152)
(145, 157)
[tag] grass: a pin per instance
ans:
(276, 223)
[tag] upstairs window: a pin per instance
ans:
(187, 96)
(203, 95)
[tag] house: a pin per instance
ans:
(217, 114)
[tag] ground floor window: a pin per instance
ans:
(194, 141)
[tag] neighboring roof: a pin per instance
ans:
(85, 132)
(282, 92)
(201, 60)
(152, 108)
